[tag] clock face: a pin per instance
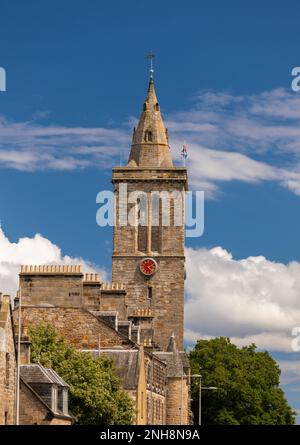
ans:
(148, 266)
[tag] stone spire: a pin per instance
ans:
(172, 347)
(150, 144)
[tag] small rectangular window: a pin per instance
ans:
(142, 405)
(54, 398)
(150, 293)
(7, 366)
(156, 226)
(142, 238)
(65, 401)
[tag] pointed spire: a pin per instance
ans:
(150, 145)
(151, 95)
(172, 347)
(151, 128)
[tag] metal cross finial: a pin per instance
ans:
(151, 56)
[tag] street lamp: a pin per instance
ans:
(199, 376)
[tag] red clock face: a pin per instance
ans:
(148, 266)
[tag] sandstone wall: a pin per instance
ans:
(177, 401)
(51, 288)
(7, 365)
(34, 412)
(82, 329)
(167, 297)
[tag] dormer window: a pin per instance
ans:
(54, 398)
(65, 401)
(148, 136)
(62, 399)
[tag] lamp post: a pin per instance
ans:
(199, 376)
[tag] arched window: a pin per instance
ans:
(157, 106)
(142, 229)
(149, 292)
(156, 224)
(142, 238)
(148, 136)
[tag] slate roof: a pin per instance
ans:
(35, 373)
(59, 414)
(126, 362)
(177, 362)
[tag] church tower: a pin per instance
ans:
(148, 256)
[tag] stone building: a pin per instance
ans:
(43, 394)
(43, 397)
(7, 363)
(138, 318)
(150, 169)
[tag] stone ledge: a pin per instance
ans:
(142, 255)
(51, 270)
(126, 168)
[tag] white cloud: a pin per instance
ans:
(278, 103)
(225, 132)
(208, 167)
(249, 300)
(250, 138)
(30, 146)
(32, 251)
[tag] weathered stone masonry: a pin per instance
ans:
(137, 320)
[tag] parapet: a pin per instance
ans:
(147, 342)
(113, 287)
(140, 313)
(51, 270)
(91, 278)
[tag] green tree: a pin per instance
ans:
(96, 395)
(247, 384)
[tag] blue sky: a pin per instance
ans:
(76, 80)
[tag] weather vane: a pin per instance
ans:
(151, 56)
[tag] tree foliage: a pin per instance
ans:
(96, 395)
(247, 384)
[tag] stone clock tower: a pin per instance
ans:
(148, 256)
